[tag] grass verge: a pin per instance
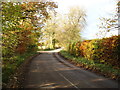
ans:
(103, 69)
(13, 63)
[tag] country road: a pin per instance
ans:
(47, 71)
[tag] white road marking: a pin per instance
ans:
(68, 81)
(37, 66)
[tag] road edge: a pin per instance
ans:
(18, 78)
(68, 63)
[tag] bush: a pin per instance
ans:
(78, 52)
(74, 48)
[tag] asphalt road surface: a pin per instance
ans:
(48, 72)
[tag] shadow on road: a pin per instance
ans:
(45, 71)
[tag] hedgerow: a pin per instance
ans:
(104, 50)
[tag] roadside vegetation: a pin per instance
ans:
(31, 26)
(14, 63)
(100, 55)
(97, 67)
(20, 33)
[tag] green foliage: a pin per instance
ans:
(20, 32)
(74, 48)
(64, 30)
(70, 26)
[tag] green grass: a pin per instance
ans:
(48, 49)
(103, 68)
(11, 64)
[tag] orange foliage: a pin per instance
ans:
(101, 50)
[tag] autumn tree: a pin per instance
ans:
(50, 30)
(20, 23)
(21, 28)
(64, 29)
(72, 25)
(11, 14)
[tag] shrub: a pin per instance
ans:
(78, 52)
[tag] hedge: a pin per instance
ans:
(104, 50)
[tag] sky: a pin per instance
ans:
(95, 9)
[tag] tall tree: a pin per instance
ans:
(50, 30)
(22, 23)
(64, 30)
(21, 28)
(72, 25)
